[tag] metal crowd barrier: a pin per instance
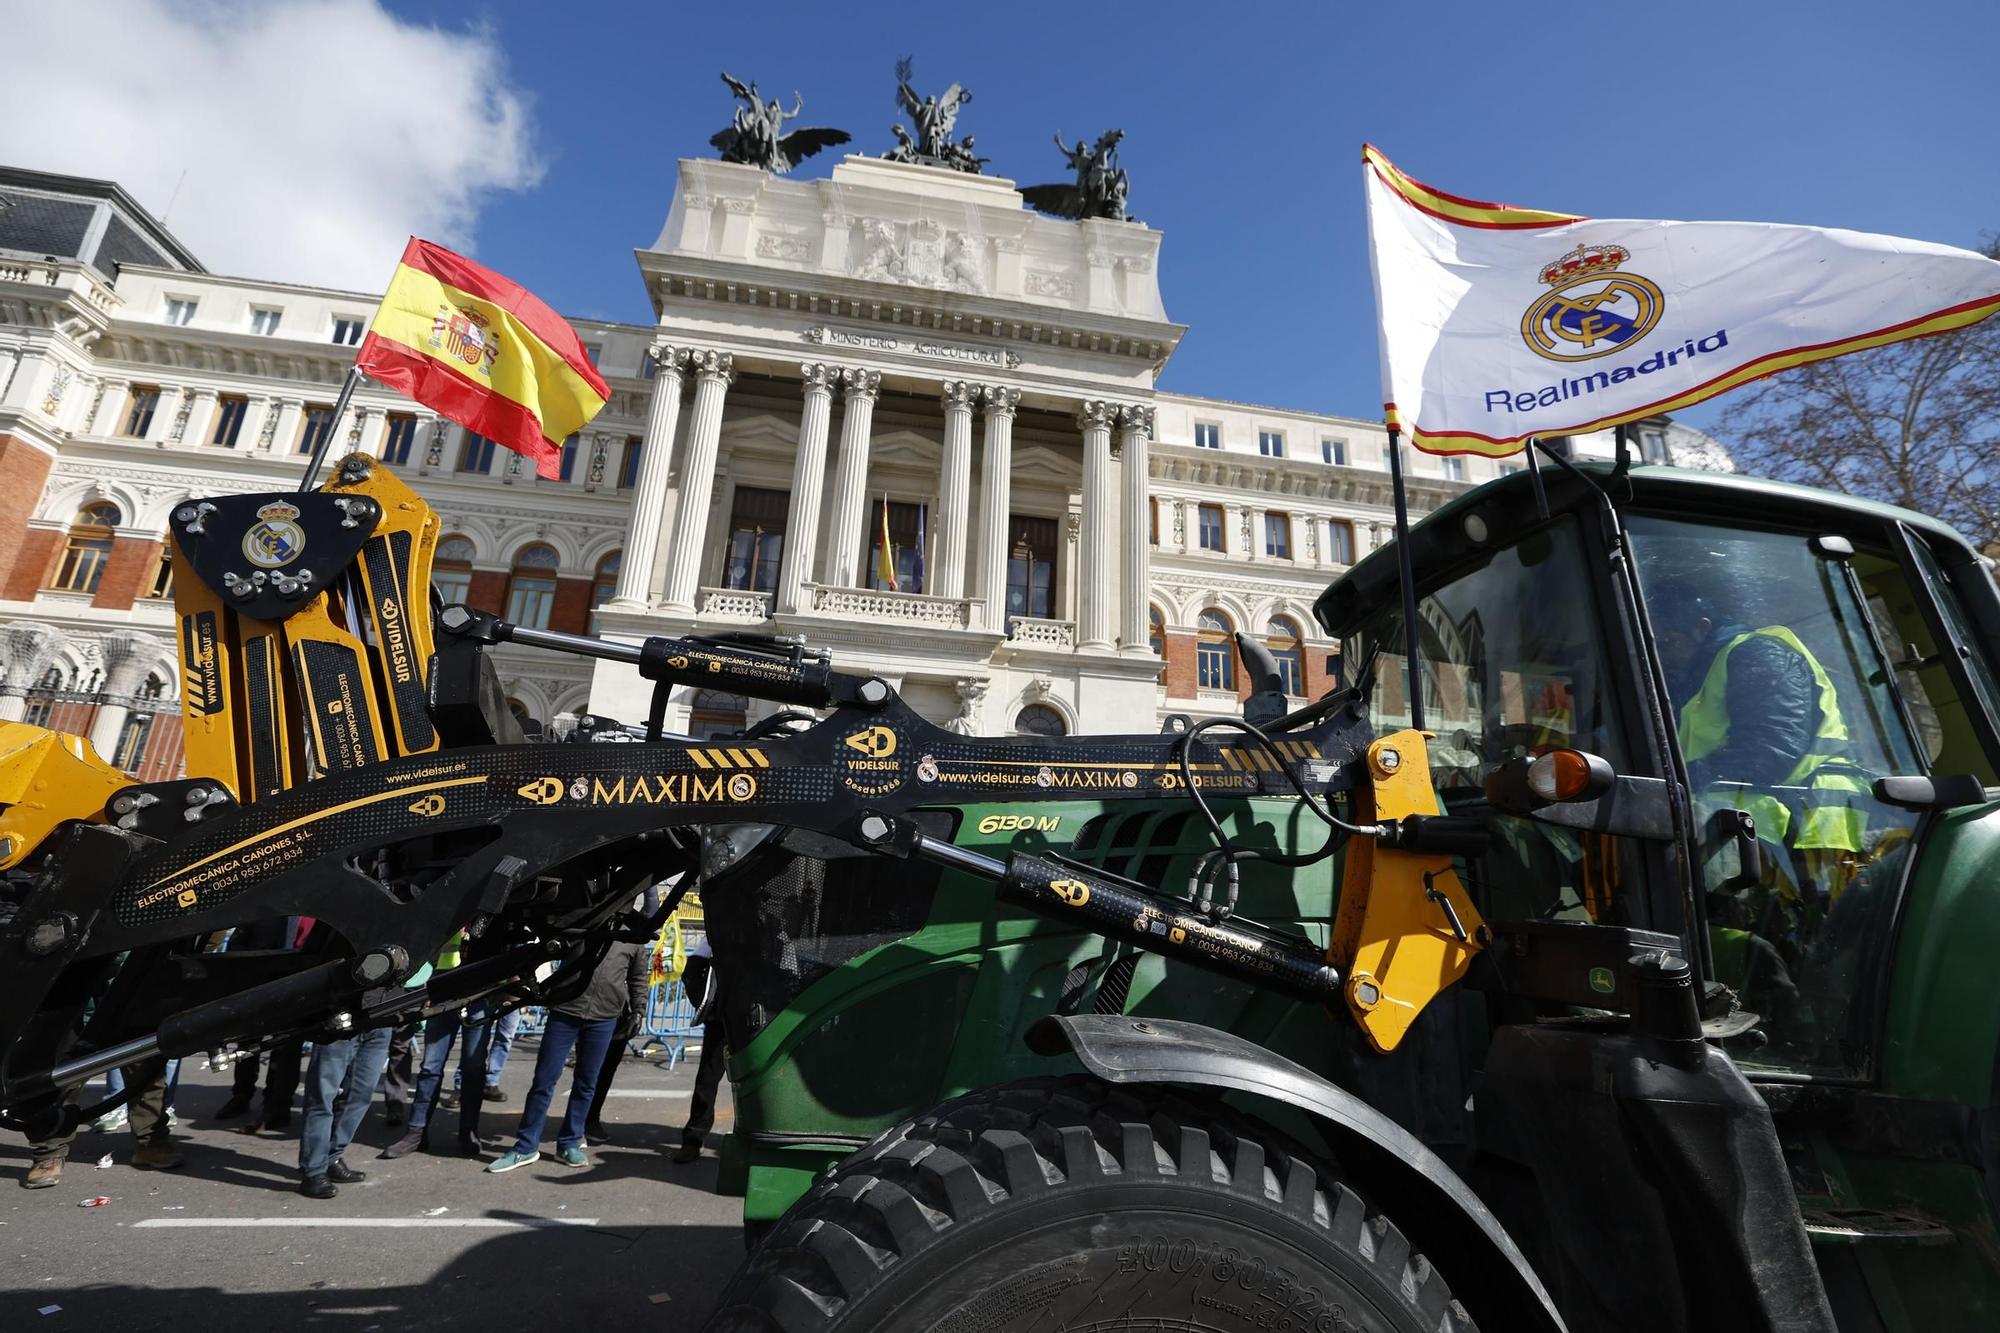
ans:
(668, 1031)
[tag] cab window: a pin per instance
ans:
(1514, 664)
(1796, 678)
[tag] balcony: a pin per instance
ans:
(1049, 635)
(734, 604)
(898, 608)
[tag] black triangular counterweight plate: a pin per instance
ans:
(266, 555)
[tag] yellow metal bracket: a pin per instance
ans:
(47, 779)
(1393, 938)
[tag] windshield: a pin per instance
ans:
(1513, 664)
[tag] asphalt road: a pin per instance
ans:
(227, 1243)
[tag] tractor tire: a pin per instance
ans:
(1067, 1203)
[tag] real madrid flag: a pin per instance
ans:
(1499, 323)
(483, 350)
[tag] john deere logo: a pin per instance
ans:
(276, 538)
(1591, 309)
(542, 791)
(1602, 981)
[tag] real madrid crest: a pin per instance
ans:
(276, 538)
(1591, 308)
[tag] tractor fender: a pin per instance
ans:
(1387, 1162)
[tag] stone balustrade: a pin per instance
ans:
(734, 604)
(902, 608)
(1034, 633)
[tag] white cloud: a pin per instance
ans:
(316, 135)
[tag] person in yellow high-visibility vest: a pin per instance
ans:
(1762, 731)
(1758, 709)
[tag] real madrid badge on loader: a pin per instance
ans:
(1501, 323)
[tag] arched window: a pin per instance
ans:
(1039, 720)
(1214, 652)
(1156, 631)
(606, 581)
(1281, 636)
(162, 585)
(531, 585)
(715, 712)
(88, 549)
(451, 569)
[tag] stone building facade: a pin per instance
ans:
(896, 350)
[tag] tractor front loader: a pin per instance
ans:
(1530, 1019)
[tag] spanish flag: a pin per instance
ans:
(885, 555)
(484, 351)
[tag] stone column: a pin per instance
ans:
(954, 491)
(111, 408)
(372, 425)
(1095, 623)
(1135, 431)
(850, 478)
(9, 359)
(714, 372)
(170, 416)
(995, 498)
(808, 484)
(1253, 527)
(285, 435)
(649, 490)
(27, 649)
(126, 657)
(428, 425)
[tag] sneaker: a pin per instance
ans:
(510, 1159)
(114, 1119)
(572, 1156)
(44, 1173)
(156, 1157)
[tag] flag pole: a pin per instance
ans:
(1412, 641)
(354, 378)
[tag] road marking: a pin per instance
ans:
(463, 1223)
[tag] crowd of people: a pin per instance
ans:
(590, 1034)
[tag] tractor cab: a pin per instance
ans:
(1781, 706)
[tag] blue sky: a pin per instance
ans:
(1243, 125)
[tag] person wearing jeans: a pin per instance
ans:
(339, 1085)
(440, 1032)
(585, 1024)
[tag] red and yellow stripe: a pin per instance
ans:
(536, 390)
(1454, 208)
(1948, 320)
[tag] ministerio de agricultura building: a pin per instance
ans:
(903, 348)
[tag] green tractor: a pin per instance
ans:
(1603, 955)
